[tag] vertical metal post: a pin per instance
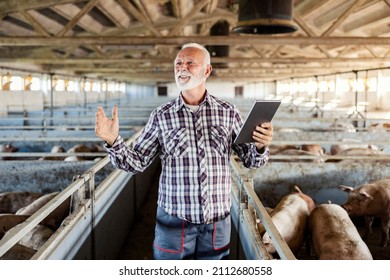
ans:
(85, 95)
(356, 91)
(91, 193)
(51, 98)
(276, 89)
(238, 217)
(105, 93)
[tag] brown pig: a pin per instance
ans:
(290, 218)
(8, 148)
(334, 236)
(55, 218)
(10, 202)
(315, 149)
(18, 252)
(370, 200)
(36, 237)
(8, 221)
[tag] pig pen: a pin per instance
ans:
(107, 201)
(320, 181)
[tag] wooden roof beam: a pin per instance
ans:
(140, 17)
(89, 6)
(34, 23)
(301, 23)
(12, 6)
(305, 8)
(115, 13)
(127, 61)
(341, 19)
(205, 40)
(184, 21)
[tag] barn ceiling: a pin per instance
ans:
(136, 40)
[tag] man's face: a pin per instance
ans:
(189, 69)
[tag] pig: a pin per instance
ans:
(8, 148)
(361, 152)
(8, 221)
(79, 148)
(54, 150)
(334, 236)
(10, 202)
(336, 149)
(55, 218)
(379, 127)
(73, 158)
(351, 155)
(57, 149)
(36, 204)
(259, 224)
(18, 252)
(276, 149)
(36, 237)
(296, 152)
(290, 218)
(314, 149)
(370, 200)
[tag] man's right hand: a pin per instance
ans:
(105, 128)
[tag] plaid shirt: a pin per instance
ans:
(195, 149)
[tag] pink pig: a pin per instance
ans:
(370, 200)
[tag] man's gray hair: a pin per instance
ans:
(206, 53)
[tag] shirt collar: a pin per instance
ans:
(208, 100)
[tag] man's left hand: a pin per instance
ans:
(263, 135)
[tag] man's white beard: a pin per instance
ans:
(193, 81)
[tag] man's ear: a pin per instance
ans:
(208, 71)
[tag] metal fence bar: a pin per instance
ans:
(19, 231)
(15, 234)
(279, 243)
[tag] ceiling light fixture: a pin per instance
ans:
(265, 17)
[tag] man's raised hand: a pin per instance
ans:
(105, 128)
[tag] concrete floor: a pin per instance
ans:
(139, 245)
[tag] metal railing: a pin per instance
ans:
(85, 183)
(246, 197)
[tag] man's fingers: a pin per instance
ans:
(266, 125)
(115, 112)
(100, 113)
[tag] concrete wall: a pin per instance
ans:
(20, 100)
(43, 176)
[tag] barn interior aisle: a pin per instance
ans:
(139, 243)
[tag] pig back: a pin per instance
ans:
(10, 202)
(290, 218)
(334, 236)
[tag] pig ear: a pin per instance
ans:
(346, 188)
(365, 194)
(297, 189)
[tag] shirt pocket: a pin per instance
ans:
(175, 142)
(219, 139)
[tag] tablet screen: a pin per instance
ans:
(261, 111)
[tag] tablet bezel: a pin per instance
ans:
(261, 111)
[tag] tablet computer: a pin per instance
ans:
(261, 111)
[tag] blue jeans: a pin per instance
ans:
(177, 239)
